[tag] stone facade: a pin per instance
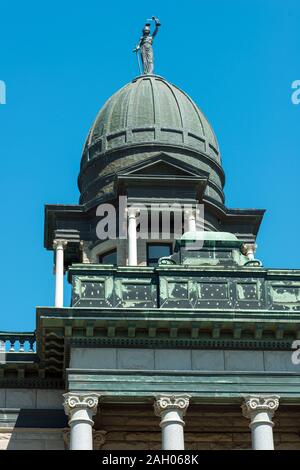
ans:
(32, 439)
(130, 427)
(182, 359)
(210, 427)
(143, 353)
(20, 398)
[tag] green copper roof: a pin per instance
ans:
(216, 236)
(150, 109)
(148, 117)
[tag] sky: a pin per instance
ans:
(60, 61)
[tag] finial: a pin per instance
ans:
(144, 47)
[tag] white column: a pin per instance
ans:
(132, 237)
(191, 220)
(260, 410)
(171, 409)
(80, 407)
(59, 246)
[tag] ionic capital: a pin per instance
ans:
(190, 212)
(165, 403)
(258, 403)
(59, 244)
(80, 401)
(132, 212)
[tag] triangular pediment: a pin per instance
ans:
(162, 165)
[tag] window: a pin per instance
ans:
(156, 251)
(110, 257)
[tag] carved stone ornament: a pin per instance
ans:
(171, 402)
(66, 437)
(258, 403)
(99, 438)
(75, 401)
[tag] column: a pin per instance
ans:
(80, 407)
(59, 246)
(171, 409)
(191, 220)
(132, 237)
(260, 410)
(99, 438)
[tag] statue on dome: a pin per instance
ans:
(145, 46)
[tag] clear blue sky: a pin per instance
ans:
(62, 59)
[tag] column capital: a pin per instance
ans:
(80, 401)
(132, 212)
(59, 243)
(171, 409)
(258, 403)
(190, 212)
(171, 402)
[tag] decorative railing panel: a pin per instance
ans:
(11, 342)
(186, 287)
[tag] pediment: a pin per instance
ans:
(163, 165)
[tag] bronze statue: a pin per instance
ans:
(145, 46)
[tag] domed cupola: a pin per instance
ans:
(147, 117)
(152, 144)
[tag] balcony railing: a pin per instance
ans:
(11, 342)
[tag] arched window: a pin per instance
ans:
(109, 257)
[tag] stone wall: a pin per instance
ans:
(182, 359)
(27, 398)
(32, 419)
(31, 439)
(211, 427)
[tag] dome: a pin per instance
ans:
(209, 238)
(150, 109)
(147, 116)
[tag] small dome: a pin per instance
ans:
(147, 117)
(150, 109)
(211, 236)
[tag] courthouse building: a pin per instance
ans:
(165, 343)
